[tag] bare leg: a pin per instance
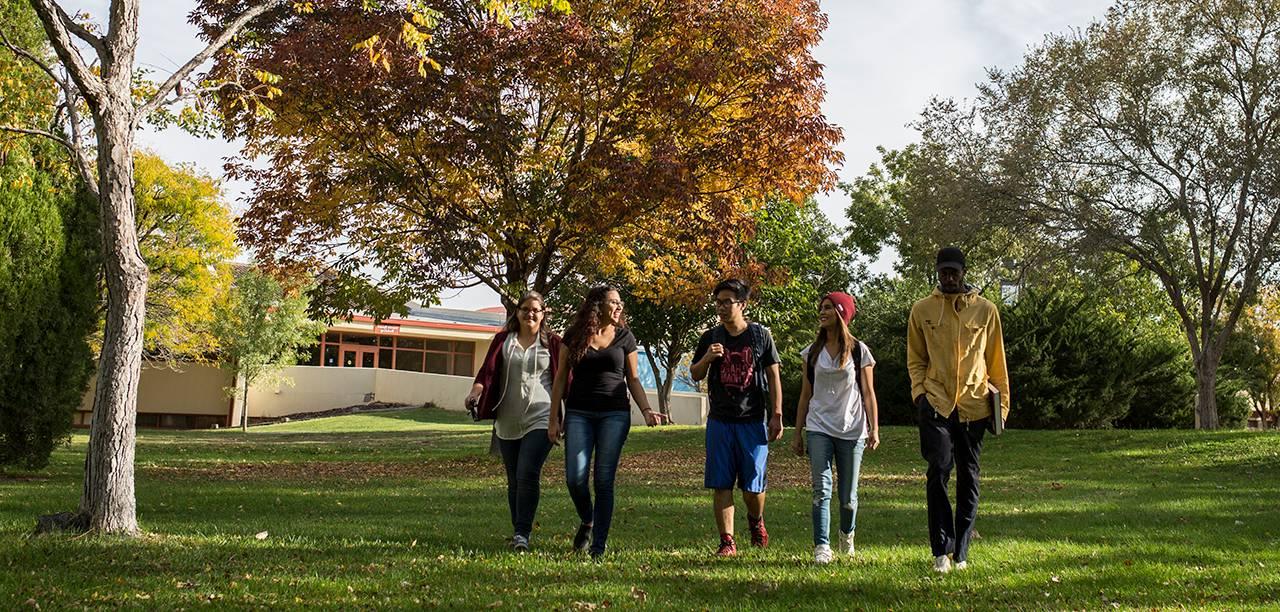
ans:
(724, 510)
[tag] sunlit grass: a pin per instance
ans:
(407, 509)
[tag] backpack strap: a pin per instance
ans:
(757, 349)
(857, 368)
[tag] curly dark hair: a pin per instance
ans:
(586, 322)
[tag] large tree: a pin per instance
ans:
(101, 105)
(1155, 134)
(564, 138)
(187, 238)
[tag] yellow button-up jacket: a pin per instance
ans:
(955, 346)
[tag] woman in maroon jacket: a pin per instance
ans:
(513, 388)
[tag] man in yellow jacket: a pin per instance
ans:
(955, 355)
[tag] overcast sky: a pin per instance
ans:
(884, 59)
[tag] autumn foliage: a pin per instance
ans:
(532, 148)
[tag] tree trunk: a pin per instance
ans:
(107, 503)
(664, 392)
(1206, 381)
(244, 408)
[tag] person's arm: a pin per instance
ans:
(703, 357)
(557, 396)
(638, 393)
(802, 410)
(997, 369)
(775, 401)
(486, 370)
(917, 357)
(872, 407)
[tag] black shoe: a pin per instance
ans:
(597, 556)
(582, 539)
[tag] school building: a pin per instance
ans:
(429, 356)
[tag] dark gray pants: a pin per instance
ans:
(946, 443)
(523, 459)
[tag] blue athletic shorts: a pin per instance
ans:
(736, 455)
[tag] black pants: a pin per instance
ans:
(523, 459)
(946, 442)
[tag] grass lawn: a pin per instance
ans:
(405, 509)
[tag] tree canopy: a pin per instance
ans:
(532, 148)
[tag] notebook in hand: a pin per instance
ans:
(996, 423)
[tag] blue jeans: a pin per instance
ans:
(523, 459)
(846, 455)
(601, 433)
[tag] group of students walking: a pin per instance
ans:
(540, 388)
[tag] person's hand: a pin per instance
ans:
(921, 401)
(775, 428)
(714, 352)
(473, 399)
(797, 444)
(554, 431)
(652, 418)
(873, 439)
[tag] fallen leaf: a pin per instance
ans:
(1055, 579)
(639, 594)
(261, 535)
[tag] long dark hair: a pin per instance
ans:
(586, 322)
(513, 322)
(847, 341)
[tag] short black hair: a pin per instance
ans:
(741, 291)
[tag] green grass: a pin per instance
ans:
(405, 509)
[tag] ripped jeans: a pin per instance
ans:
(845, 456)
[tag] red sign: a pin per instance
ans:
(387, 329)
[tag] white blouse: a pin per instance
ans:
(836, 408)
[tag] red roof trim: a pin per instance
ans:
(429, 324)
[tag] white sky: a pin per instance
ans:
(884, 59)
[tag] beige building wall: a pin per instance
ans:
(192, 389)
(316, 389)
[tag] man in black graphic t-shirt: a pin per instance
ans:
(740, 363)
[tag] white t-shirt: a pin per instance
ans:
(836, 406)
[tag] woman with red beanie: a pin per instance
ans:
(837, 417)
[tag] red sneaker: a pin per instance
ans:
(728, 547)
(759, 535)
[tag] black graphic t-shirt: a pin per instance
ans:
(732, 391)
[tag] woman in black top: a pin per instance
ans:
(600, 354)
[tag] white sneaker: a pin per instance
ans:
(846, 543)
(961, 565)
(520, 544)
(942, 564)
(822, 554)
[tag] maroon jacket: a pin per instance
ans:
(491, 373)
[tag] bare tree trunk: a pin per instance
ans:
(244, 408)
(107, 503)
(1206, 381)
(663, 387)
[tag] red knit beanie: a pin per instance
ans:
(845, 305)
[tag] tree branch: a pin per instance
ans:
(218, 43)
(29, 132)
(89, 84)
(82, 32)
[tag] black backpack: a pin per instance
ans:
(812, 361)
(719, 335)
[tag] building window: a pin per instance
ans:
(437, 356)
(410, 361)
